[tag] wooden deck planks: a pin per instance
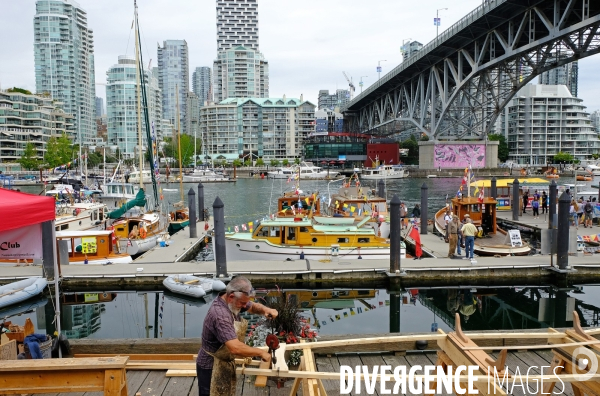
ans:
(533, 359)
(372, 360)
(178, 386)
(394, 361)
(327, 364)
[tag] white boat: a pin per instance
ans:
(192, 286)
(155, 229)
(16, 292)
(92, 247)
(134, 177)
(593, 169)
(80, 216)
(384, 172)
(115, 194)
(206, 176)
(307, 171)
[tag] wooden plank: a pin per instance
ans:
(64, 364)
(531, 359)
(331, 387)
(297, 381)
(420, 359)
(372, 360)
(432, 358)
(135, 379)
(144, 357)
(351, 360)
(394, 361)
(261, 381)
(115, 382)
(512, 363)
(154, 384)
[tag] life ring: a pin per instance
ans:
(143, 233)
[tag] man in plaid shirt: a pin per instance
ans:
(218, 328)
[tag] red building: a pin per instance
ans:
(385, 150)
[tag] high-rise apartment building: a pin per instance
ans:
(272, 128)
(410, 48)
(237, 24)
(99, 107)
(193, 115)
(240, 73)
(30, 119)
(202, 84)
(173, 71)
(64, 61)
(121, 104)
(328, 121)
(595, 117)
(562, 75)
(543, 120)
(337, 99)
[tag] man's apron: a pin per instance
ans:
(223, 381)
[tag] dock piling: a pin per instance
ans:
(219, 237)
(494, 188)
(201, 202)
(515, 200)
(192, 209)
(424, 193)
(381, 188)
(562, 248)
(553, 193)
(48, 249)
(395, 243)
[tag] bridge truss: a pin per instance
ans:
(458, 85)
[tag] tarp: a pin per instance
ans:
(139, 200)
(19, 209)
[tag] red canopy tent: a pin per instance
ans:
(20, 210)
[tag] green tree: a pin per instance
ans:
(29, 158)
(247, 162)
(297, 161)
(413, 150)
(260, 162)
(274, 162)
(20, 90)
(171, 149)
(502, 146)
(94, 159)
(595, 156)
(285, 162)
(237, 162)
(563, 158)
(58, 151)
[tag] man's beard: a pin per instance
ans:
(234, 310)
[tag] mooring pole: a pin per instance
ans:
(381, 188)
(515, 200)
(192, 209)
(201, 202)
(553, 193)
(494, 188)
(395, 243)
(424, 193)
(219, 241)
(562, 247)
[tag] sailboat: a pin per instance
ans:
(140, 233)
(180, 218)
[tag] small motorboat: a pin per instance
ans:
(16, 292)
(193, 286)
(584, 178)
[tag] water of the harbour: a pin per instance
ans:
(154, 314)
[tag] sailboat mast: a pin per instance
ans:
(179, 141)
(139, 100)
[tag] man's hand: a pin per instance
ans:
(271, 313)
(265, 356)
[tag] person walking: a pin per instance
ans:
(588, 211)
(544, 202)
(453, 228)
(535, 206)
(223, 334)
(525, 200)
(447, 220)
(573, 213)
(469, 231)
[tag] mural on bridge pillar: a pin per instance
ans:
(459, 156)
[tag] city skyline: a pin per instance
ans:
(307, 50)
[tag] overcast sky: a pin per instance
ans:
(308, 43)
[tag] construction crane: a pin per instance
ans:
(350, 84)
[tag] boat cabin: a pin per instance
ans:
(302, 232)
(482, 212)
(87, 244)
(292, 204)
(351, 201)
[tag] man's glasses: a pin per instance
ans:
(250, 293)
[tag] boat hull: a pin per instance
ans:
(19, 291)
(137, 246)
(238, 249)
(192, 286)
(120, 259)
(177, 226)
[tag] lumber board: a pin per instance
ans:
(523, 347)
(261, 381)
(142, 356)
(64, 364)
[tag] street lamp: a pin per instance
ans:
(361, 82)
(379, 67)
(437, 20)
(403, 49)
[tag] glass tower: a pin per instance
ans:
(202, 84)
(240, 73)
(173, 70)
(121, 105)
(64, 61)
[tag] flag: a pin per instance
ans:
(236, 228)
(476, 190)
(250, 225)
(244, 228)
(289, 179)
(352, 209)
(481, 195)
(414, 234)
(307, 201)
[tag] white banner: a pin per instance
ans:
(21, 243)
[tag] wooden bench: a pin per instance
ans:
(105, 374)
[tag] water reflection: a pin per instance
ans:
(157, 314)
